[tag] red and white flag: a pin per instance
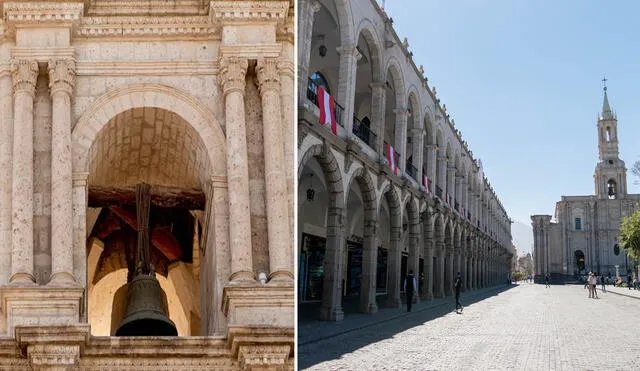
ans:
(425, 182)
(391, 157)
(327, 109)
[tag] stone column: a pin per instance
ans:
(418, 148)
(331, 307)
(280, 246)
(464, 270)
(442, 176)
(369, 264)
(428, 261)
(439, 268)
(232, 73)
(414, 252)
(349, 56)
(448, 289)
(286, 70)
(306, 14)
(378, 103)
(394, 264)
(431, 165)
(62, 75)
(25, 74)
(402, 115)
(6, 168)
(451, 173)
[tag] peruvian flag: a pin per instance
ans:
(448, 199)
(391, 157)
(426, 183)
(327, 109)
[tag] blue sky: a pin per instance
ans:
(522, 79)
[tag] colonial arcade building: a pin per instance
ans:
(146, 138)
(386, 183)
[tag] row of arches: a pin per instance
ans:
(358, 241)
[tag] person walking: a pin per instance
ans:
(629, 281)
(546, 280)
(410, 287)
(603, 283)
(458, 285)
(593, 281)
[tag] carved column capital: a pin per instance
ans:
(232, 74)
(62, 75)
(286, 67)
(267, 73)
(25, 74)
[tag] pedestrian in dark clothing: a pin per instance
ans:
(546, 280)
(410, 287)
(458, 284)
(629, 281)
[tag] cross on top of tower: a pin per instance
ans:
(604, 82)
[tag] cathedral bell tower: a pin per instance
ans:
(611, 175)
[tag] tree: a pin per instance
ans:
(630, 235)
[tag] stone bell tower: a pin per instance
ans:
(611, 174)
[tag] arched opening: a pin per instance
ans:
(313, 200)
(608, 137)
(448, 259)
(579, 261)
(157, 147)
(612, 191)
(427, 153)
(440, 154)
(363, 112)
(414, 136)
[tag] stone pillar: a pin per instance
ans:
(369, 264)
(442, 177)
(418, 148)
(393, 289)
(451, 173)
(431, 165)
(286, 70)
(448, 289)
(402, 115)
(414, 252)
(62, 75)
(306, 14)
(349, 56)
(378, 103)
(79, 220)
(280, 246)
(464, 270)
(428, 262)
(232, 72)
(25, 74)
(331, 307)
(6, 168)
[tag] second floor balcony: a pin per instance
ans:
(363, 131)
(312, 95)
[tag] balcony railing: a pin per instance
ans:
(411, 170)
(397, 154)
(364, 132)
(439, 192)
(312, 95)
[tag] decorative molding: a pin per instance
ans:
(249, 11)
(251, 51)
(154, 68)
(232, 73)
(42, 12)
(267, 73)
(25, 74)
(192, 26)
(42, 54)
(62, 75)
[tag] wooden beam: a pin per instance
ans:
(166, 197)
(161, 238)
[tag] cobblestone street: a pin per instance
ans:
(528, 327)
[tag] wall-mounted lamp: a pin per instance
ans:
(311, 193)
(322, 49)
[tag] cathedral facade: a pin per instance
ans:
(584, 236)
(192, 98)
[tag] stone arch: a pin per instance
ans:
(368, 30)
(414, 103)
(367, 190)
(345, 20)
(121, 99)
(330, 166)
(393, 68)
(430, 137)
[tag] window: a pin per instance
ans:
(578, 224)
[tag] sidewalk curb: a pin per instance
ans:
(404, 314)
(621, 294)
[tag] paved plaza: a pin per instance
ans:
(522, 327)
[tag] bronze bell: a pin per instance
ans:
(145, 306)
(145, 310)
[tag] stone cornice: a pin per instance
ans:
(42, 54)
(137, 26)
(249, 11)
(42, 12)
(155, 68)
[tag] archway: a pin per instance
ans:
(579, 261)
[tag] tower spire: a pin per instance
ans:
(606, 110)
